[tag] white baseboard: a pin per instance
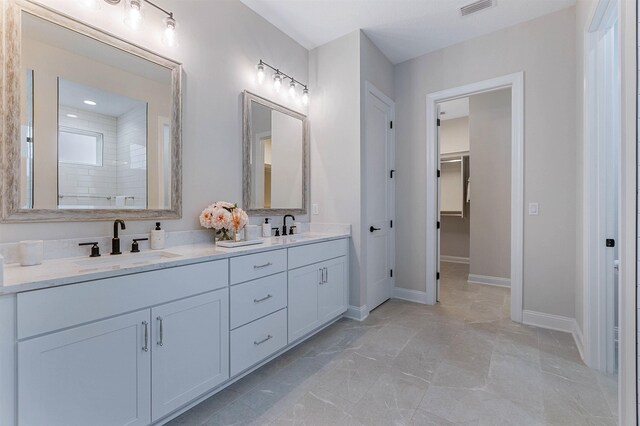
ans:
(454, 259)
(486, 280)
(577, 337)
(410, 295)
(555, 322)
(358, 313)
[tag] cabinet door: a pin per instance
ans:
(190, 349)
(331, 291)
(303, 300)
(96, 374)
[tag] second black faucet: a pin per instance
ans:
(115, 241)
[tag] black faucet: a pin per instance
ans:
(284, 223)
(115, 241)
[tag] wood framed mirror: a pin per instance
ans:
(92, 123)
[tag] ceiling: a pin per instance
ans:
(402, 29)
(457, 108)
(74, 94)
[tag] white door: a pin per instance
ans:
(438, 207)
(379, 197)
(96, 374)
(302, 306)
(608, 87)
(331, 294)
(190, 349)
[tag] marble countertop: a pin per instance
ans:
(72, 270)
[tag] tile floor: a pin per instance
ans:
(462, 362)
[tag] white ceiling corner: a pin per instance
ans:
(401, 29)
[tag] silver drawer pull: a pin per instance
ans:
(161, 341)
(267, 297)
(262, 266)
(269, 337)
(146, 336)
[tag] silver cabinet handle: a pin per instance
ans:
(267, 297)
(146, 336)
(269, 337)
(326, 275)
(262, 266)
(321, 276)
(161, 323)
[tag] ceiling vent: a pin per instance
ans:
(476, 6)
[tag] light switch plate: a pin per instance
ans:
(315, 209)
(534, 209)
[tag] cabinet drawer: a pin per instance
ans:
(255, 299)
(318, 252)
(51, 309)
(255, 341)
(252, 266)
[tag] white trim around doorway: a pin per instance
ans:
(516, 83)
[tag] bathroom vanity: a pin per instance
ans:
(125, 340)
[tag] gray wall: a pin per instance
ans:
(337, 73)
(490, 142)
(545, 50)
(220, 44)
(334, 80)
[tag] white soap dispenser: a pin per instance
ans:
(266, 228)
(157, 238)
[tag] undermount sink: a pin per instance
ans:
(296, 237)
(119, 261)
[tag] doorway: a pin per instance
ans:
(515, 82)
(379, 196)
(474, 140)
(602, 189)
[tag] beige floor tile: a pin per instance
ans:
(462, 362)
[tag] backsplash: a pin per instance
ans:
(56, 249)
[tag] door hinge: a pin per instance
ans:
(610, 242)
(391, 172)
(391, 224)
(391, 273)
(438, 173)
(437, 275)
(438, 122)
(391, 124)
(438, 225)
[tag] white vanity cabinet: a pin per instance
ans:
(317, 292)
(190, 349)
(95, 374)
(128, 369)
(140, 348)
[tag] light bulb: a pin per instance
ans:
(134, 14)
(260, 73)
(305, 96)
(277, 81)
(292, 89)
(169, 33)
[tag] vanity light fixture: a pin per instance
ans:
(134, 11)
(90, 102)
(260, 72)
(133, 18)
(278, 78)
(292, 89)
(277, 81)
